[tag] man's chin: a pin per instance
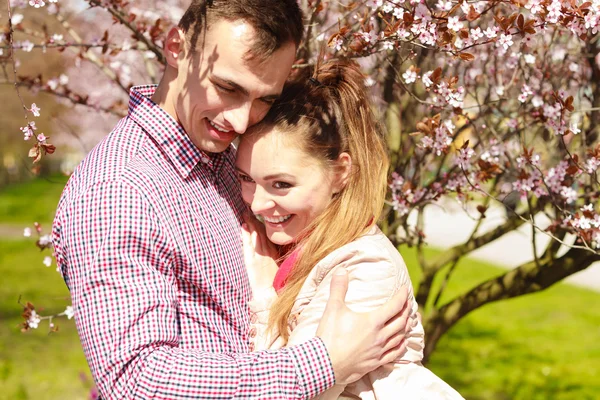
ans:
(210, 146)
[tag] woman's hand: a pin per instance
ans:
(259, 254)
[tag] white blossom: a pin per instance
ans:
(34, 320)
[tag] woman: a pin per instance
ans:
(315, 172)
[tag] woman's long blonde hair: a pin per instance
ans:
(327, 112)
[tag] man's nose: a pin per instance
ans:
(239, 117)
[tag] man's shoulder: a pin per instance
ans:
(110, 160)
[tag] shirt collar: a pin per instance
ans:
(169, 135)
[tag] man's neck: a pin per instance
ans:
(164, 92)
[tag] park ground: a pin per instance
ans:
(539, 346)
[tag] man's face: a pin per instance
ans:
(219, 92)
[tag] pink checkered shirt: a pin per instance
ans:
(147, 235)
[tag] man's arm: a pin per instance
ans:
(117, 265)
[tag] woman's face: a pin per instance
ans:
(285, 186)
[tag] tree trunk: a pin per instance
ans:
(527, 278)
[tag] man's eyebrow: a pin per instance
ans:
(243, 90)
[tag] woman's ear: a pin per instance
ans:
(174, 46)
(343, 169)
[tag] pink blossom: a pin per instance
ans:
(463, 158)
(35, 110)
(374, 3)
(28, 131)
(337, 43)
(512, 123)
(26, 46)
(41, 137)
(534, 6)
(37, 3)
(444, 5)
(476, 33)
(505, 41)
(573, 128)
(555, 176)
(410, 75)
(34, 320)
(454, 24)
(551, 112)
(525, 93)
(554, 11)
(569, 194)
(398, 12)
(592, 165)
(442, 140)
(428, 38)
(490, 32)
(494, 153)
(426, 79)
(44, 240)
(52, 83)
(528, 183)
(529, 58)
(426, 143)
(422, 12)
(69, 312)
(369, 37)
(537, 101)
(16, 19)
(403, 33)
(387, 45)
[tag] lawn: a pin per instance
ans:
(540, 346)
(32, 201)
(36, 364)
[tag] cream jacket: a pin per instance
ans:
(376, 271)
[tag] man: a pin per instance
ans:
(147, 232)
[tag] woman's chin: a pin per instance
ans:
(280, 239)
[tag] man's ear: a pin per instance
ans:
(174, 46)
(343, 169)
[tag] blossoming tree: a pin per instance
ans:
(486, 103)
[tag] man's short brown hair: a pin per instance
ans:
(276, 22)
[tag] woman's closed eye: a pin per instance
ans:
(244, 178)
(282, 185)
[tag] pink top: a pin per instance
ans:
(284, 271)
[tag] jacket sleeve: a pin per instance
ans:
(373, 279)
(260, 305)
(118, 266)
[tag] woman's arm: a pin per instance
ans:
(373, 279)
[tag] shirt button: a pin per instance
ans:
(205, 159)
(253, 318)
(252, 332)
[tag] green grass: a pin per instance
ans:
(540, 346)
(36, 364)
(32, 201)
